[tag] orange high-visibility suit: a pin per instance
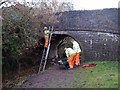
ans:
(46, 35)
(71, 56)
(77, 50)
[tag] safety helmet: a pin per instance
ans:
(65, 48)
(74, 42)
(45, 27)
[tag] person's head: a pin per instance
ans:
(75, 42)
(65, 48)
(45, 28)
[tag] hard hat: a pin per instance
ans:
(74, 42)
(65, 48)
(45, 27)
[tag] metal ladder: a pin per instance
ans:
(45, 53)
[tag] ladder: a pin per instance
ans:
(45, 53)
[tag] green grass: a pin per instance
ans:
(104, 75)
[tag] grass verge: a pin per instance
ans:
(104, 75)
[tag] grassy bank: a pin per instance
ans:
(104, 75)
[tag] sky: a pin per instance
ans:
(88, 4)
(95, 4)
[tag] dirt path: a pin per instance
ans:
(53, 78)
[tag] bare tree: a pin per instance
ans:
(22, 23)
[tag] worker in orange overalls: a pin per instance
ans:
(77, 50)
(46, 35)
(71, 57)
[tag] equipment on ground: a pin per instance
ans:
(63, 64)
(89, 65)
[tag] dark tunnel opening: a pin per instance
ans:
(58, 43)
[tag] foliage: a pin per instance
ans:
(17, 37)
(22, 28)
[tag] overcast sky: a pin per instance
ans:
(95, 4)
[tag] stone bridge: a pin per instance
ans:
(95, 30)
(95, 44)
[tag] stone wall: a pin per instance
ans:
(94, 45)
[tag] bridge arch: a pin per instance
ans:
(61, 40)
(95, 45)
